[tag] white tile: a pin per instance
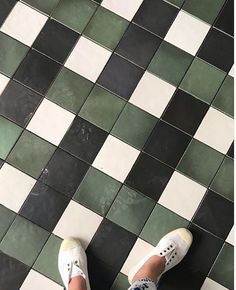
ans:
(79, 222)
(230, 238)
(24, 23)
(3, 82)
(182, 195)
(138, 252)
(187, 32)
(36, 281)
(116, 158)
(212, 285)
(216, 130)
(152, 94)
(14, 187)
(50, 121)
(88, 59)
(124, 8)
(231, 72)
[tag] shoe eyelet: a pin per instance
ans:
(168, 249)
(68, 265)
(161, 254)
(164, 250)
(173, 257)
(175, 253)
(167, 263)
(171, 246)
(76, 262)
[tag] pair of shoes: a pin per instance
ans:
(72, 260)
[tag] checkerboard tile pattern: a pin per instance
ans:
(116, 124)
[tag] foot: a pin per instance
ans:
(72, 262)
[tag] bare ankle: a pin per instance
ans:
(77, 283)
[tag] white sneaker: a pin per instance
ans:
(173, 246)
(72, 261)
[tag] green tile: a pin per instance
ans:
(177, 3)
(31, 154)
(9, 133)
(223, 182)
(134, 125)
(223, 269)
(6, 217)
(97, 191)
(11, 54)
(170, 63)
(202, 80)
(69, 90)
(200, 162)
(102, 108)
(224, 99)
(161, 222)
(24, 240)
(46, 262)
(130, 210)
(206, 10)
(121, 282)
(106, 28)
(75, 13)
(42, 5)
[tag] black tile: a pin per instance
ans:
(5, 9)
(55, 40)
(37, 71)
(83, 139)
(225, 21)
(44, 206)
(149, 176)
(230, 152)
(218, 49)
(111, 238)
(167, 143)
(156, 16)
(18, 103)
(64, 172)
(12, 273)
(1, 163)
(120, 76)
(185, 112)
(138, 45)
(216, 214)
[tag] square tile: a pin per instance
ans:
(120, 76)
(11, 54)
(102, 108)
(149, 176)
(24, 23)
(216, 130)
(161, 222)
(3, 82)
(44, 206)
(182, 195)
(15, 186)
(69, 90)
(152, 94)
(231, 72)
(225, 21)
(200, 162)
(223, 56)
(230, 238)
(181, 33)
(205, 74)
(123, 8)
(134, 125)
(106, 28)
(75, 13)
(9, 132)
(167, 143)
(5, 8)
(121, 282)
(156, 16)
(85, 227)
(97, 191)
(88, 59)
(18, 103)
(170, 63)
(44, 6)
(7, 216)
(50, 122)
(125, 210)
(64, 172)
(30, 154)
(123, 158)
(138, 45)
(55, 40)
(21, 233)
(212, 285)
(37, 71)
(83, 140)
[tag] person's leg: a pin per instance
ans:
(77, 283)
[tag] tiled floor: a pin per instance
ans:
(116, 124)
